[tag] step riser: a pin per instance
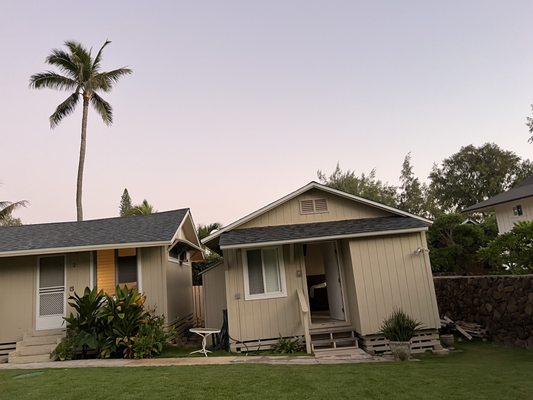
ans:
(35, 350)
(15, 358)
(48, 332)
(41, 340)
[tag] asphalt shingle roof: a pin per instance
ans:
(156, 227)
(525, 189)
(318, 229)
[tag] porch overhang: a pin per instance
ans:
(321, 231)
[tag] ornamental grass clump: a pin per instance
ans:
(399, 327)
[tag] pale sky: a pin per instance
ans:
(233, 104)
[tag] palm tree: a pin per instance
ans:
(79, 74)
(144, 208)
(206, 230)
(6, 208)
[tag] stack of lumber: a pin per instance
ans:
(467, 329)
(473, 329)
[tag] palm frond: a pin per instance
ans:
(96, 62)
(52, 80)
(64, 62)
(7, 207)
(65, 108)
(103, 108)
(105, 80)
(82, 58)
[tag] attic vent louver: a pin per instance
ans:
(313, 206)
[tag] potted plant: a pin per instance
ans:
(446, 335)
(399, 329)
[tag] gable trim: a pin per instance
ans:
(309, 186)
(322, 238)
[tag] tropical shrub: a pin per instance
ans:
(66, 349)
(399, 326)
(113, 326)
(511, 252)
(287, 346)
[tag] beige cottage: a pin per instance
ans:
(323, 265)
(510, 207)
(42, 264)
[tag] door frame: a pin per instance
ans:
(38, 297)
(340, 265)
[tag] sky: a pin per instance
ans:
(233, 104)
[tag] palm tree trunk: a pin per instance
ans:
(79, 183)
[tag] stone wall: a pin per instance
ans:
(501, 303)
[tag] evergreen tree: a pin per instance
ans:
(125, 203)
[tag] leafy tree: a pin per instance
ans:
(80, 75)
(454, 242)
(412, 197)
(512, 251)
(529, 124)
(211, 258)
(366, 186)
(144, 208)
(6, 211)
(125, 203)
(474, 174)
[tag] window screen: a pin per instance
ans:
(126, 269)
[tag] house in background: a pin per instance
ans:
(323, 265)
(42, 264)
(510, 207)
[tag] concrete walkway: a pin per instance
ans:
(230, 360)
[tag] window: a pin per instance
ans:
(313, 206)
(127, 267)
(517, 210)
(264, 273)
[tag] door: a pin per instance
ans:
(50, 293)
(333, 280)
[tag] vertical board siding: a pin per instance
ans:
(388, 274)
(339, 209)
(179, 290)
(105, 270)
(154, 279)
(198, 314)
(506, 218)
(78, 274)
(262, 318)
(214, 293)
(18, 286)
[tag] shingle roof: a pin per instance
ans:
(319, 229)
(158, 227)
(525, 189)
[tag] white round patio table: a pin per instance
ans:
(204, 333)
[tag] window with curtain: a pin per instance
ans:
(264, 274)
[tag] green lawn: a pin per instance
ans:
(480, 371)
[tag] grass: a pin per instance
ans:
(479, 371)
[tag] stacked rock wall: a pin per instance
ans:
(501, 303)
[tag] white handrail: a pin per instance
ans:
(304, 317)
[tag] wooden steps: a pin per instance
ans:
(333, 339)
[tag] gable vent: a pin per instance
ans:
(313, 206)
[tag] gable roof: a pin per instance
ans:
(137, 231)
(309, 186)
(275, 235)
(525, 189)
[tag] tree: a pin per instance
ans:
(125, 203)
(211, 258)
(366, 186)
(80, 75)
(6, 210)
(529, 124)
(453, 243)
(144, 208)
(412, 197)
(512, 251)
(474, 174)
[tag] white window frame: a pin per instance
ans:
(269, 295)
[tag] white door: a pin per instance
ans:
(51, 301)
(333, 280)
